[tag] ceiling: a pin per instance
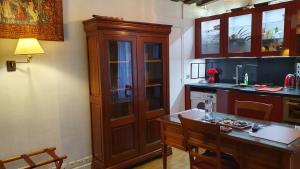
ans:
(198, 2)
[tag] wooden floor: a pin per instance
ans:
(178, 160)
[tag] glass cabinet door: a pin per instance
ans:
(119, 85)
(210, 37)
(273, 30)
(153, 75)
(239, 34)
(121, 78)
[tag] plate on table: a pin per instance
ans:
(237, 124)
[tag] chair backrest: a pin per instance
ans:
(253, 106)
(203, 135)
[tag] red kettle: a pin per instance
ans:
(290, 81)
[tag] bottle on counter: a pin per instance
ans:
(246, 79)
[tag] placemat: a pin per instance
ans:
(279, 134)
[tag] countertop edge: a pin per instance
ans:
(284, 92)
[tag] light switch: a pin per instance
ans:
(11, 66)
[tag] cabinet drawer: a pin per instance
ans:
(173, 136)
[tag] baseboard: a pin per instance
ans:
(83, 163)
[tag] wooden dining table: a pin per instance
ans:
(249, 151)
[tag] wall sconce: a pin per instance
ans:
(25, 46)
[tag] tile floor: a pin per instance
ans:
(178, 160)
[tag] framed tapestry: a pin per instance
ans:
(42, 19)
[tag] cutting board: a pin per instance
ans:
(279, 134)
(269, 89)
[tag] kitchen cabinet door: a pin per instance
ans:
(240, 33)
(273, 30)
(276, 30)
(208, 38)
(276, 101)
(225, 101)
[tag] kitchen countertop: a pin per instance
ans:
(248, 89)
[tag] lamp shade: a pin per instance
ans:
(28, 46)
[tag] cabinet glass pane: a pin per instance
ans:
(273, 30)
(153, 75)
(210, 37)
(120, 64)
(239, 31)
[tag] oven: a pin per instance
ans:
(291, 112)
(198, 99)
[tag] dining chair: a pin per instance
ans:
(206, 136)
(254, 107)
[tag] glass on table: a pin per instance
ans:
(209, 109)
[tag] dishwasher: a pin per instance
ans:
(198, 99)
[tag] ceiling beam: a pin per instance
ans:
(198, 2)
(191, 1)
(203, 2)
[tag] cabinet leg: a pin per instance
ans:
(164, 155)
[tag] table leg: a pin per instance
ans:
(164, 155)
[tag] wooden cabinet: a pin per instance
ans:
(262, 31)
(128, 74)
(226, 100)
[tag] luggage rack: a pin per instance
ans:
(31, 164)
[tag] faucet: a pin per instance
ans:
(237, 73)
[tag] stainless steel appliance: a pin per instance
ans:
(291, 111)
(198, 99)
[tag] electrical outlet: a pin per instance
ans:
(298, 69)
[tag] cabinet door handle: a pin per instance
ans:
(292, 103)
(128, 90)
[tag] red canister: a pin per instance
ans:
(290, 81)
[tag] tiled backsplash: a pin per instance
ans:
(260, 70)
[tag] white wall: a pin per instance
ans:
(46, 103)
